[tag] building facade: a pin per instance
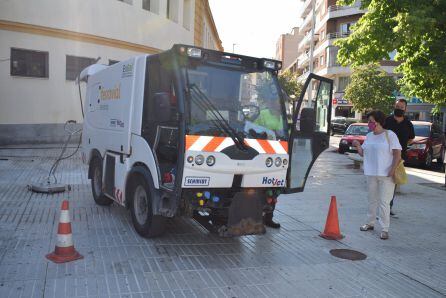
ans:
(45, 44)
(286, 48)
(332, 22)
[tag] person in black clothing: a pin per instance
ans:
(404, 130)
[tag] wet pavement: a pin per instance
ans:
(188, 261)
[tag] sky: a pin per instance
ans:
(254, 25)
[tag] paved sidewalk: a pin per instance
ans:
(189, 262)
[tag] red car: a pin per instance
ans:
(429, 144)
(356, 131)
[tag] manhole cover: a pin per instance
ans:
(348, 254)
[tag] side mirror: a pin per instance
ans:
(162, 106)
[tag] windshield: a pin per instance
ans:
(422, 130)
(248, 102)
(357, 130)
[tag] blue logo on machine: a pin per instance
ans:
(273, 181)
(196, 181)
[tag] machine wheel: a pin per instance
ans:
(146, 224)
(428, 161)
(96, 183)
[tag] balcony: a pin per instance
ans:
(336, 35)
(335, 11)
(305, 42)
(307, 7)
(303, 77)
(306, 24)
(303, 59)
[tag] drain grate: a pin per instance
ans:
(348, 254)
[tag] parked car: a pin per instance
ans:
(340, 124)
(429, 144)
(356, 131)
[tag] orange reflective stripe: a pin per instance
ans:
(213, 144)
(64, 228)
(190, 140)
(266, 146)
(284, 145)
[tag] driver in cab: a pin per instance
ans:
(270, 117)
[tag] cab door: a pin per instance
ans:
(310, 132)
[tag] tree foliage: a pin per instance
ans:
(290, 85)
(416, 30)
(370, 88)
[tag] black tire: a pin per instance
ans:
(428, 161)
(96, 183)
(141, 194)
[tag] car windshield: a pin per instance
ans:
(422, 130)
(225, 99)
(357, 130)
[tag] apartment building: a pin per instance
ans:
(45, 44)
(287, 49)
(330, 23)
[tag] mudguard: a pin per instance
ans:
(246, 214)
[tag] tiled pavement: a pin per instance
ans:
(190, 262)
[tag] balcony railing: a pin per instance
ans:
(335, 35)
(357, 4)
(337, 7)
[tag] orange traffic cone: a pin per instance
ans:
(332, 231)
(64, 251)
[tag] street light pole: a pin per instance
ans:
(233, 46)
(313, 23)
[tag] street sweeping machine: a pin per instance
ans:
(199, 133)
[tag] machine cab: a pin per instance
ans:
(218, 120)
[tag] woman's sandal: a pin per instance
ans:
(366, 227)
(384, 235)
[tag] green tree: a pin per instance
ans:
(370, 88)
(416, 30)
(289, 83)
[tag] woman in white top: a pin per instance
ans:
(382, 154)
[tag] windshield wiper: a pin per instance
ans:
(203, 102)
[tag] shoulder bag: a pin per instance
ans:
(400, 171)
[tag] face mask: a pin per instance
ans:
(398, 112)
(372, 126)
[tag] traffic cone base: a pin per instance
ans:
(58, 257)
(332, 231)
(64, 251)
(331, 236)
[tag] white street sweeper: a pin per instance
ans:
(200, 133)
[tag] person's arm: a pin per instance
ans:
(395, 162)
(411, 134)
(358, 147)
